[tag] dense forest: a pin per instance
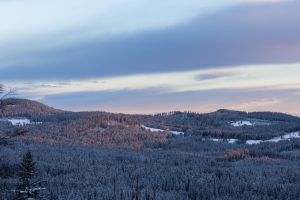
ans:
(99, 155)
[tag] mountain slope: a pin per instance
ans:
(123, 130)
(24, 107)
(262, 125)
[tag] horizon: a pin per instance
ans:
(147, 57)
(155, 113)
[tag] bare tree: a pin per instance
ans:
(4, 137)
(3, 101)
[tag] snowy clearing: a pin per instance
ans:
(161, 130)
(19, 121)
(177, 133)
(241, 123)
(152, 129)
(288, 136)
(230, 141)
(252, 122)
(285, 137)
(251, 142)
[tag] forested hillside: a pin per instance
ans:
(24, 107)
(177, 155)
(263, 125)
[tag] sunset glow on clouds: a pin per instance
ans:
(249, 78)
(149, 56)
(260, 76)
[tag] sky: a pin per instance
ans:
(151, 56)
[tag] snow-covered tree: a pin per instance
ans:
(28, 188)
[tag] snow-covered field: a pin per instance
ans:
(253, 142)
(232, 140)
(152, 129)
(160, 130)
(276, 139)
(229, 140)
(285, 137)
(19, 121)
(241, 123)
(177, 133)
(253, 122)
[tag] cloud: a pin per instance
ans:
(239, 35)
(194, 55)
(260, 104)
(33, 18)
(33, 24)
(257, 76)
(151, 101)
(215, 75)
(269, 1)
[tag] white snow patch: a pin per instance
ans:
(252, 122)
(251, 142)
(232, 141)
(177, 133)
(288, 136)
(241, 123)
(36, 123)
(216, 139)
(152, 129)
(161, 130)
(19, 121)
(285, 137)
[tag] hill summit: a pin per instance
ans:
(25, 107)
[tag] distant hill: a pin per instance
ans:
(123, 130)
(216, 118)
(24, 107)
(239, 115)
(221, 123)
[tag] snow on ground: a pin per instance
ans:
(285, 137)
(241, 123)
(288, 136)
(152, 129)
(253, 142)
(230, 141)
(252, 122)
(177, 133)
(19, 121)
(216, 140)
(161, 130)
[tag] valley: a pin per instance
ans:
(178, 155)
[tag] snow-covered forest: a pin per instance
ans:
(99, 155)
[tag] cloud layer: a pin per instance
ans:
(238, 35)
(176, 87)
(152, 55)
(258, 76)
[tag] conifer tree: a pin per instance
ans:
(27, 188)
